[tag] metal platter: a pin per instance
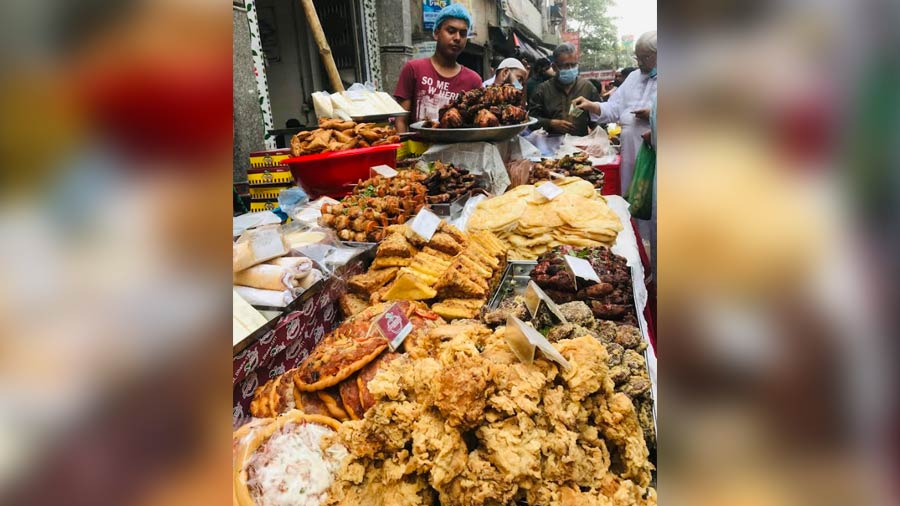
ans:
(490, 134)
(378, 118)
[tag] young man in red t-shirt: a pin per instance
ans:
(428, 84)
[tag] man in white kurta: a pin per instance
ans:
(630, 105)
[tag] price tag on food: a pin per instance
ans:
(424, 224)
(580, 268)
(385, 171)
(394, 326)
(516, 330)
(535, 296)
(549, 190)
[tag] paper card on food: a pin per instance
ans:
(385, 171)
(580, 268)
(549, 190)
(535, 297)
(424, 224)
(518, 342)
(394, 326)
(536, 340)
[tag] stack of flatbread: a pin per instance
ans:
(531, 224)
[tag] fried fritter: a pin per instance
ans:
(460, 420)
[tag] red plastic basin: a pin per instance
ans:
(335, 174)
(611, 177)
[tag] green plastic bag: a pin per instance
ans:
(640, 191)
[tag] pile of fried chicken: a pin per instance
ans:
(484, 107)
(459, 420)
(338, 135)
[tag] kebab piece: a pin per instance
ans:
(576, 165)
(374, 205)
(610, 299)
(447, 183)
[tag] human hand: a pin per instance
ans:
(646, 136)
(562, 126)
(587, 105)
(643, 114)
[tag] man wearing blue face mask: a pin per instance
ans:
(551, 103)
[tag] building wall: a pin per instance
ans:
(247, 119)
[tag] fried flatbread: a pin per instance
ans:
(344, 351)
(349, 390)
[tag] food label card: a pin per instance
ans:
(550, 190)
(425, 223)
(519, 329)
(394, 326)
(385, 171)
(580, 268)
(535, 296)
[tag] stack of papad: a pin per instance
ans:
(453, 271)
(529, 224)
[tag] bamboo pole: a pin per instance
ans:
(324, 49)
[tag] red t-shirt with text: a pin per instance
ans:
(430, 91)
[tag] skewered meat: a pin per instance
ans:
(447, 182)
(570, 165)
(375, 204)
(486, 118)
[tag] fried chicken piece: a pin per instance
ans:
(514, 447)
(513, 115)
(480, 484)
(439, 449)
(589, 372)
(618, 422)
(385, 430)
(451, 118)
(520, 387)
(373, 488)
(485, 119)
(460, 392)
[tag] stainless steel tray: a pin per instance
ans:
(490, 134)
(452, 208)
(378, 118)
(514, 281)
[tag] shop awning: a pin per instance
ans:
(529, 46)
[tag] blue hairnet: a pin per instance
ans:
(457, 11)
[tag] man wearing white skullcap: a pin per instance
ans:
(510, 71)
